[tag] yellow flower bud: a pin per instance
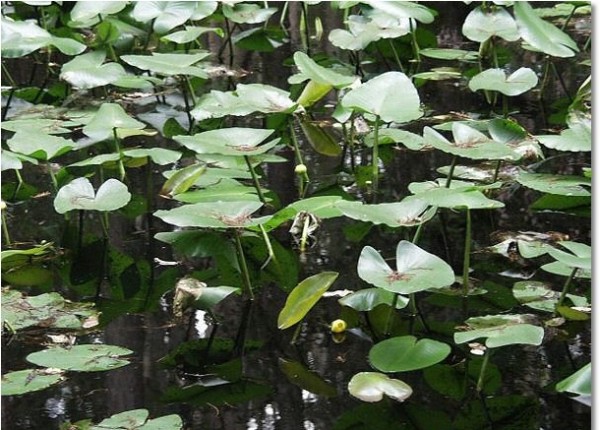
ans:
(338, 326)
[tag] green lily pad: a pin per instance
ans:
(79, 194)
(538, 295)
(217, 104)
(81, 358)
(322, 207)
(371, 386)
(399, 214)
(576, 138)
(579, 382)
(166, 15)
(310, 70)
(482, 24)
(368, 28)
(501, 330)
(190, 34)
(375, 98)
(369, 298)
(463, 197)
(29, 380)
(138, 419)
(84, 12)
(88, 71)
(439, 74)
(45, 310)
(265, 98)
(111, 116)
(11, 160)
(416, 270)
(303, 297)
(224, 190)
(518, 82)
(192, 293)
(299, 375)
(394, 135)
(20, 38)
(564, 185)
(229, 141)
(541, 35)
(160, 156)
(468, 143)
(169, 64)
(39, 145)
(405, 353)
(246, 13)
(214, 215)
(403, 10)
(562, 269)
(450, 54)
(580, 256)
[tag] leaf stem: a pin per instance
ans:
(480, 380)
(565, 289)
(451, 172)
(5, 227)
(376, 155)
(243, 265)
(255, 179)
(120, 152)
(467, 254)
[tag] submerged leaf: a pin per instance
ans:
(303, 297)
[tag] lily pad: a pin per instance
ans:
(564, 185)
(79, 194)
(406, 213)
(45, 310)
(84, 12)
(538, 295)
(576, 138)
(416, 270)
(190, 34)
(246, 13)
(463, 197)
(214, 215)
(371, 386)
(39, 145)
(518, 82)
(405, 9)
(375, 98)
(81, 358)
(166, 15)
(368, 28)
(265, 98)
(541, 35)
(229, 141)
(310, 70)
(303, 297)
(169, 64)
(579, 382)
(29, 380)
(394, 135)
(217, 104)
(482, 24)
(88, 71)
(109, 117)
(192, 293)
(406, 353)
(322, 207)
(138, 419)
(369, 298)
(580, 256)
(450, 54)
(501, 330)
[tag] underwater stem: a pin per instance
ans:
(467, 255)
(565, 289)
(255, 179)
(243, 265)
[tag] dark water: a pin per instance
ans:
(528, 373)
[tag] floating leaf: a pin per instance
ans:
(406, 213)
(166, 14)
(439, 74)
(109, 117)
(310, 70)
(39, 145)
(182, 180)
(405, 9)
(405, 353)
(368, 28)
(369, 298)
(520, 81)
(542, 35)
(217, 104)
(214, 215)
(580, 256)
(192, 293)
(501, 330)
(224, 190)
(375, 98)
(322, 207)
(450, 54)
(79, 194)
(168, 64)
(416, 269)
(303, 297)
(29, 380)
(84, 11)
(138, 419)
(564, 185)
(576, 138)
(47, 310)
(87, 71)
(394, 135)
(482, 24)
(371, 386)
(462, 197)
(538, 295)
(229, 141)
(579, 382)
(265, 98)
(246, 13)
(299, 375)
(81, 358)
(190, 34)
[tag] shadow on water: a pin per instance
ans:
(242, 372)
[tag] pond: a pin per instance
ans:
(296, 215)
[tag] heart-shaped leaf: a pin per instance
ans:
(84, 12)
(518, 82)
(403, 10)
(538, 295)
(556, 184)
(190, 34)
(39, 145)
(169, 64)
(579, 382)
(81, 358)
(462, 197)
(374, 97)
(580, 256)
(542, 35)
(110, 116)
(406, 213)
(79, 194)
(482, 24)
(246, 13)
(29, 380)
(87, 71)
(303, 297)
(501, 330)
(450, 54)
(217, 104)
(166, 14)
(369, 298)
(310, 70)
(416, 269)
(371, 386)
(229, 141)
(265, 98)
(214, 215)
(405, 353)
(576, 138)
